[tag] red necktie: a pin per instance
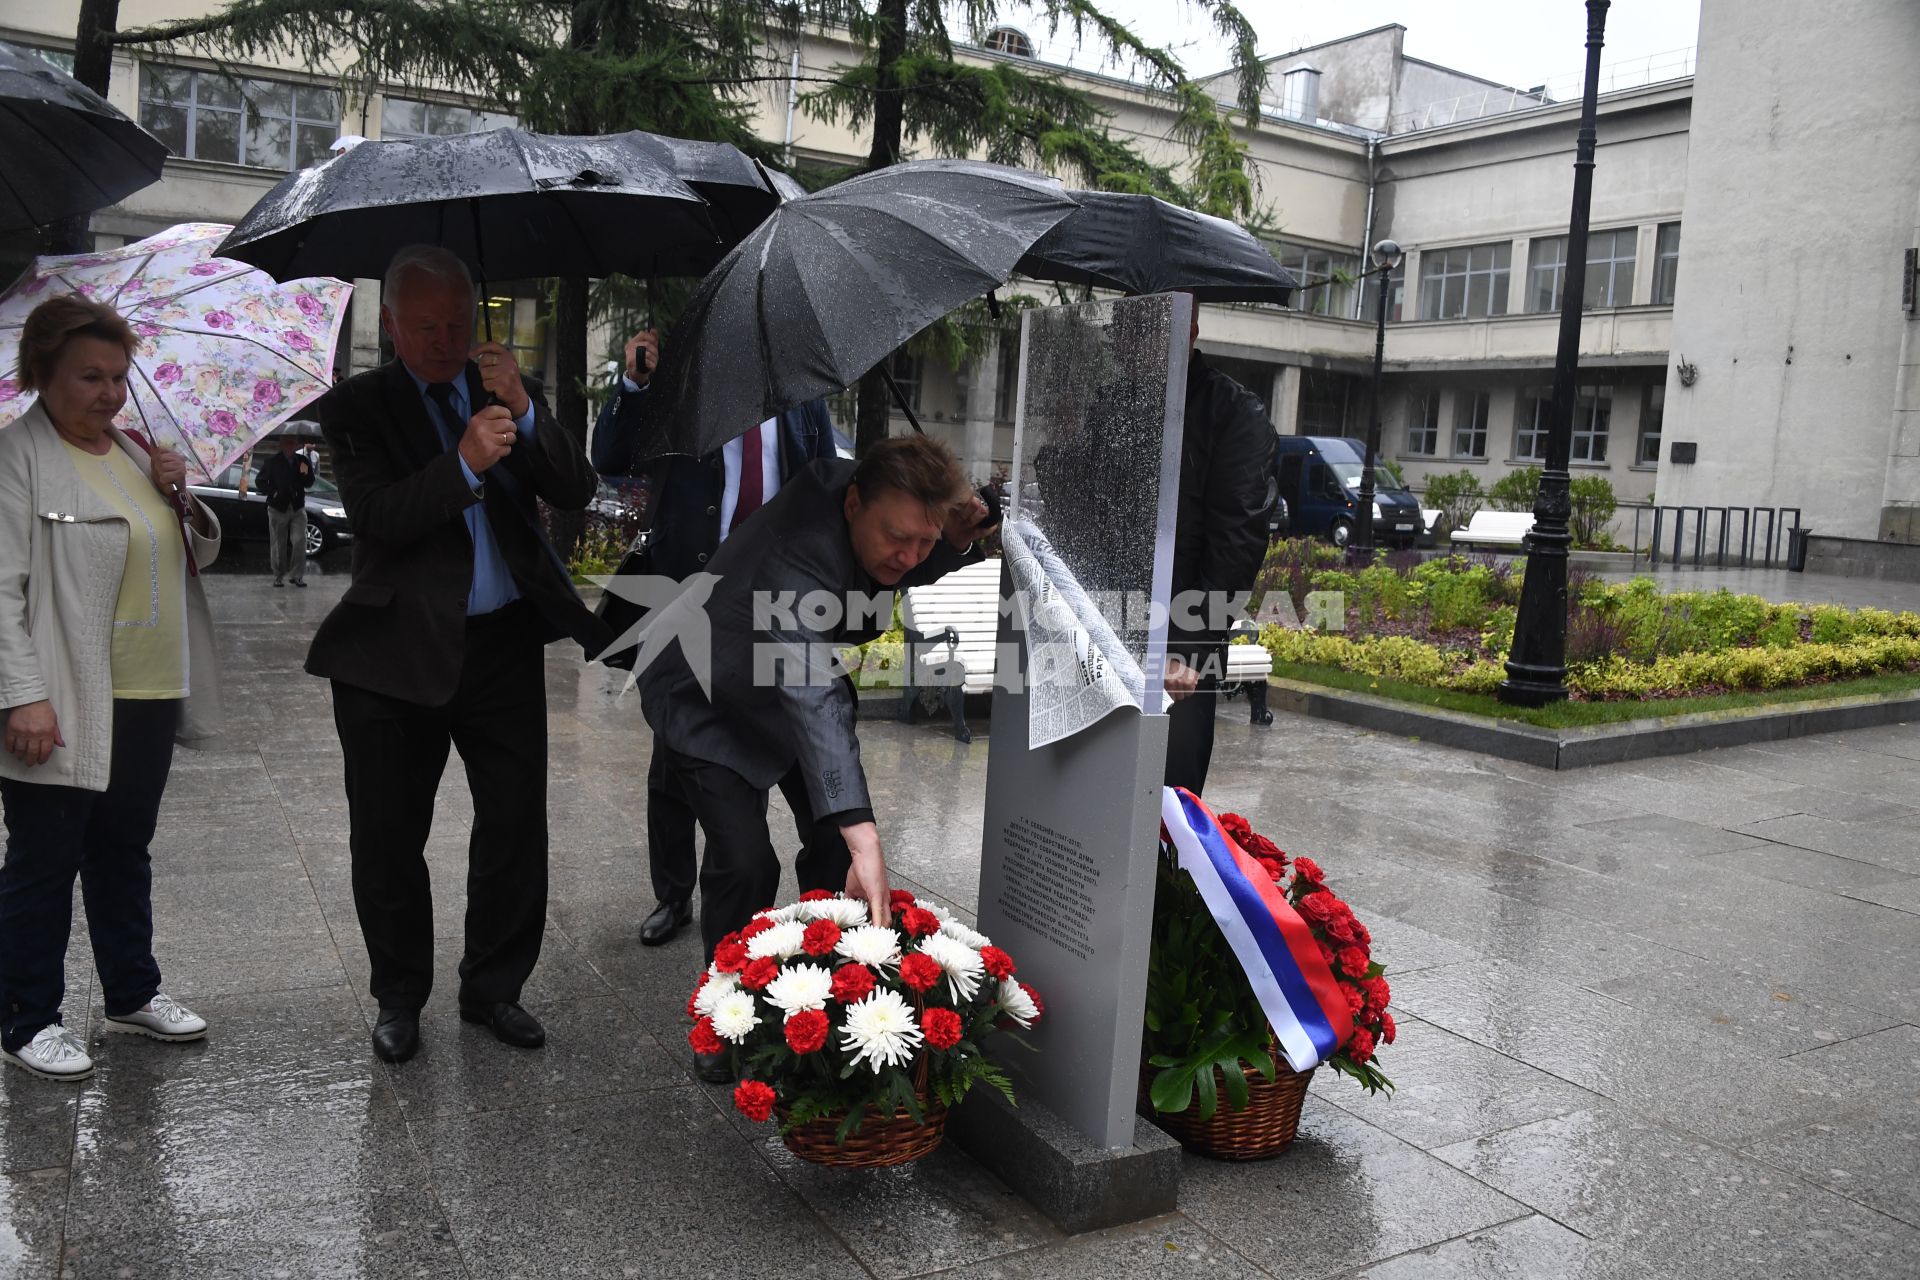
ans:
(750, 480)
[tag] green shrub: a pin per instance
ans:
(1497, 636)
(1516, 490)
(1593, 508)
(1458, 496)
(1459, 599)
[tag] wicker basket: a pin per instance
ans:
(1265, 1128)
(881, 1141)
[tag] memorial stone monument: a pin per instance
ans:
(1079, 743)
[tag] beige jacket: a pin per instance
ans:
(62, 552)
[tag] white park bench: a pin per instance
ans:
(953, 627)
(1495, 529)
(1248, 666)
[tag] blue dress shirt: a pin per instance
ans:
(492, 587)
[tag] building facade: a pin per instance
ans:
(1785, 358)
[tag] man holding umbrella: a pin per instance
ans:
(437, 643)
(696, 503)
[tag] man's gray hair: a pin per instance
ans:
(428, 260)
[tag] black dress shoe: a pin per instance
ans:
(714, 1068)
(509, 1023)
(664, 921)
(396, 1036)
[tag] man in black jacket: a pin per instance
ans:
(284, 481)
(1219, 542)
(437, 642)
(695, 504)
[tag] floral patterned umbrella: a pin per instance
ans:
(225, 354)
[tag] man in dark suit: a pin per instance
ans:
(437, 642)
(1219, 543)
(695, 504)
(816, 570)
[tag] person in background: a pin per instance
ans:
(106, 659)
(284, 481)
(695, 504)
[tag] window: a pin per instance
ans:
(1648, 454)
(906, 373)
(1319, 293)
(1546, 272)
(1324, 397)
(61, 58)
(1396, 297)
(1423, 424)
(1006, 394)
(1530, 424)
(1470, 424)
(1666, 263)
(1592, 416)
(1470, 280)
(205, 115)
(1610, 260)
(405, 118)
(518, 325)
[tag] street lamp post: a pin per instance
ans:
(1386, 256)
(1537, 662)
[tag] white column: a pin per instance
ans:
(1517, 278)
(364, 324)
(983, 392)
(1643, 264)
(1283, 407)
(1410, 295)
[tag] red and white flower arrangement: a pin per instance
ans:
(825, 1013)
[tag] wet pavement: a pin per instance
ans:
(1657, 1019)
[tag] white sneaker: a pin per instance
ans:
(53, 1054)
(164, 1018)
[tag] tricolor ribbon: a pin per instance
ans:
(1291, 979)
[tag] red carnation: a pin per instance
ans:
(919, 922)
(807, 1031)
(1378, 993)
(1387, 1029)
(1353, 962)
(1366, 935)
(1356, 1000)
(816, 895)
(1360, 1048)
(1237, 827)
(754, 1100)
(1274, 869)
(899, 899)
(919, 971)
(755, 927)
(942, 1028)
(1261, 847)
(1309, 870)
(1320, 908)
(703, 1039)
(1342, 928)
(821, 937)
(730, 955)
(1039, 1005)
(852, 982)
(1326, 952)
(759, 973)
(996, 962)
(698, 987)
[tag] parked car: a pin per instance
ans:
(245, 518)
(1319, 479)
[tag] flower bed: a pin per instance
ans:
(1448, 624)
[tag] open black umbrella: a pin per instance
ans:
(831, 283)
(511, 204)
(1137, 244)
(63, 148)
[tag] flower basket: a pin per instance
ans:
(859, 1036)
(1205, 1025)
(880, 1142)
(1261, 1130)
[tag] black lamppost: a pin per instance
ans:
(1537, 663)
(1386, 256)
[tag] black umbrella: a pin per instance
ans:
(511, 204)
(63, 148)
(832, 283)
(1137, 244)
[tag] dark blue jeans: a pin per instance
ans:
(57, 833)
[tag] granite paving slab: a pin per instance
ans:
(33, 1211)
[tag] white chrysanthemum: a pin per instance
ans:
(962, 934)
(844, 912)
(718, 984)
(960, 962)
(733, 1016)
(779, 915)
(800, 986)
(933, 908)
(881, 1031)
(782, 942)
(1016, 1003)
(870, 944)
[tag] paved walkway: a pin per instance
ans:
(1780, 586)
(1657, 1020)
